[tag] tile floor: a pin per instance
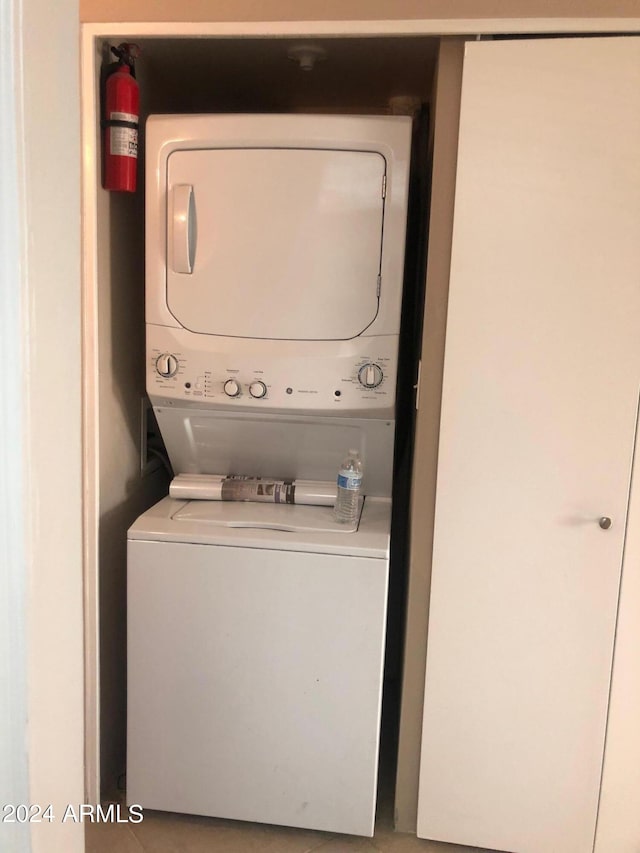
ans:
(161, 832)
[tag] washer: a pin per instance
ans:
(255, 663)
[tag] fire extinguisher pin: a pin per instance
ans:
(127, 52)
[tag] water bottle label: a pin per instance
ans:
(352, 483)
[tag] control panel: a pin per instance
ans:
(328, 376)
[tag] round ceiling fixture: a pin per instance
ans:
(306, 55)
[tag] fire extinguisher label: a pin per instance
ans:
(123, 141)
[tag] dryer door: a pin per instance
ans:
(274, 243)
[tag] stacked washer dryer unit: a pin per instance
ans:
(256, 632)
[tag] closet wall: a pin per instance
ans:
(184, 75)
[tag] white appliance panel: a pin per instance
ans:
(321, 377)
(252, 705)
(286, 242)
(206, 441)
(386, 142)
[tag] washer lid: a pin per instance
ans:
(265, 516)
(194, 523)
(275, 243)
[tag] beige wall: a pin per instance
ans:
(116, 491)
(339, 10)
(123, 492)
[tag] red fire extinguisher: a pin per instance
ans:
(121, 114)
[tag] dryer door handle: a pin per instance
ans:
(183, 228)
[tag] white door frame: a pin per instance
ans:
(14, 786)
(41, 631)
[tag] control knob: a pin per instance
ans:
(370, 375)
(231, 388)
(257, 389)
(166, 365)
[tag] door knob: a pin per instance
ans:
(605, 522)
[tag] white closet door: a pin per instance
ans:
(541, 383)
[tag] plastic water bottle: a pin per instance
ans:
(349, 484)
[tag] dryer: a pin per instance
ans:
(274, 265)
